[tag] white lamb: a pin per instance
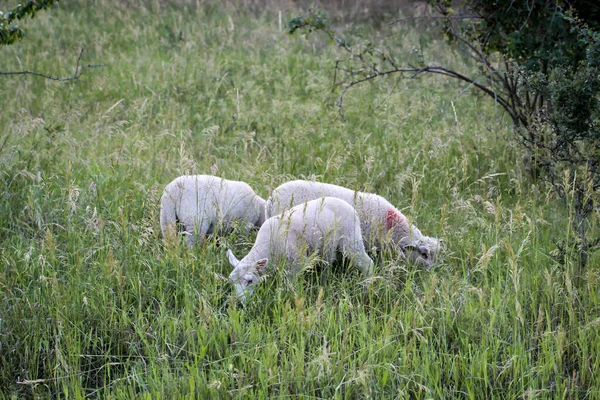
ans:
(205, 204)
(325, 227)
(382, 225)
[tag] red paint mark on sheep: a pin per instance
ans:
(392, 218)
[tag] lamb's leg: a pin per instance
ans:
(364, 262)
(196, 233)
(354, 249)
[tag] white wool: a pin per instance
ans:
(325, 226)
(381, 223)
(206, 204)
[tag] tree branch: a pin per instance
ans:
(429, 17)
(79, 70)
(430, 69)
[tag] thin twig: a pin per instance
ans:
(79, 70)
(434, 17)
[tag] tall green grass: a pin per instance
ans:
(93, 304)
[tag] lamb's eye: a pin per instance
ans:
(250, 281)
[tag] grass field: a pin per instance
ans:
(92, 304)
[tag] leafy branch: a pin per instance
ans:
(10, 32)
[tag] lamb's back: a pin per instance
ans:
(297, 192)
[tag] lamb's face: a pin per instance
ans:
(245, 276)
(423, 252)
(420, 249)
(244, 282)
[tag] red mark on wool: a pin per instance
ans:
(392, 218)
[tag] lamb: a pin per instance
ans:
(324, 227)
(205, 204)
(382, 225)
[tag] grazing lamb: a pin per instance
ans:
(324, 226)
(382, 225)
(205, 204)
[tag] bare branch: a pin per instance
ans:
(433, 17)
(472, 51)
(79, 70)
(430, 69)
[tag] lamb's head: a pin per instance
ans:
(418, 248)
(246, 275)
(424, 251)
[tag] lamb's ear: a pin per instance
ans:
(408, 248)
(261, 266)
(232, 260)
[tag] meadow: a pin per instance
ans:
(94, 304)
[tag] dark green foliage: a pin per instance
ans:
(534, 33)
(564, 136)
(316, 20)
(10, 32)
(520, 44)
